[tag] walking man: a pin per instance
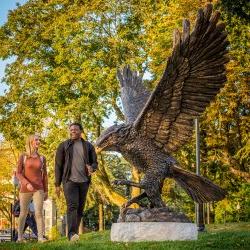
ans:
(74, 164)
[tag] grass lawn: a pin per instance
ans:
(228, 236)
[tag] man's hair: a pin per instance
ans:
(76, 124)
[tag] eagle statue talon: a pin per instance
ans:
(118, 182)
(123, 211)
(125, 205)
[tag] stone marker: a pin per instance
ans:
(153, 231)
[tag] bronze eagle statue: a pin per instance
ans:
(160, 123)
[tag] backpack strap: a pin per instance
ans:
(41, 158)
(24, 159)
(42, 168)
(42, 161)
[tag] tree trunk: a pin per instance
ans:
(208, 213)
(103, 187)
(101, 217)
(242, 174)
(81, 227)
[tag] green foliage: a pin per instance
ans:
(117, 168)
(236, 208)
(8, 157)
(239, 8)
(175, 197)
(54, 233)
(90, 217)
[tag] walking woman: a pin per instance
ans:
(32, 174)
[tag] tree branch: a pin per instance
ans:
(242, 174)
(118, 111)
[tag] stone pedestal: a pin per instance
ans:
(153, 231)
(161, 214)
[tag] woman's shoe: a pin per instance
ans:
(21, 241)
(74, 237)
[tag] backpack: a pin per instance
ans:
(16, 208)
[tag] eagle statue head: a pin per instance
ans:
(112, 138)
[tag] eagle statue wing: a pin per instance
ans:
(133, 93)
(194, 74)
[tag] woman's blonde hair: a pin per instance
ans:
(29, 149)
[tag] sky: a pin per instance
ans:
(5, 6)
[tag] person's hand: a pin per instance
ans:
(58, 191)
(45, 196)
(90, 169)
(30, 187)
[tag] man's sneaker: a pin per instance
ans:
(42, 240)
(74, 237)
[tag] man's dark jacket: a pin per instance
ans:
(63, 161)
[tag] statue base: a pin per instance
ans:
(153, 231)
(161, 214)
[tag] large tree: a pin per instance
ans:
(8, 157)
(65, 55)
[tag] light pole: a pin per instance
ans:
(104, 214)
(15, 183)
(198, 207)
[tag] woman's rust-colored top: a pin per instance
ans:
(32, 170)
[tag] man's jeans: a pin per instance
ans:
(75, 195)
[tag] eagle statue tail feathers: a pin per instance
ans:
(199, 188)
